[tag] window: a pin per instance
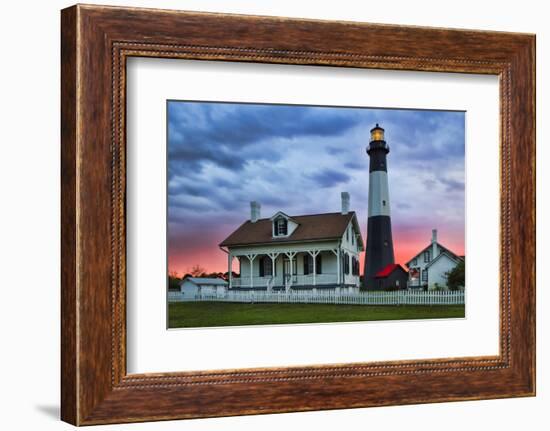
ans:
(425, 275)
(352, 238)
(347, 234)
(261, 266)
(265, 265)
(268, 267)
(318, 264)
(427, 256)
(384, 203)
(413, 262)
(354, 265)
(281, 227)
(346, 263)
(308, 264)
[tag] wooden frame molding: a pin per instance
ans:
(95, 43)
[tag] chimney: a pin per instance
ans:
(345, 203)
(434, 243)
(255, 211)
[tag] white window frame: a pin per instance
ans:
(424, 277)
(280, 223)
(427, 256)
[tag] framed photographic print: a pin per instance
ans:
(293, 158)
(325, 214)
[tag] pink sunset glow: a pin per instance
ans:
(406, 245)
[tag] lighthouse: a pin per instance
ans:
(379, 253)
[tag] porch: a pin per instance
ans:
(295, 270)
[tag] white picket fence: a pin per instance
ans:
(329, 297)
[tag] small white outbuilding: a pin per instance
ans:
(194, 286)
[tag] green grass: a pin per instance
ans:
(206, 314)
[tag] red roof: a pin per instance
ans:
(388, 270)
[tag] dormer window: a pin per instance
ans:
(281, 227)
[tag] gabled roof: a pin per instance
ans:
(281, 214)
(316, 227)
(429, 246)
(205, 280)
(388, 269)
(451, 256)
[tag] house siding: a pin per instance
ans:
(438, 270)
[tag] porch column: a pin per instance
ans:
(273, 257)
(230, 269)
(337, 253)
(314, 254)
(251, 258)
(291, 256)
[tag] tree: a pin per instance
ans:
(197, 270)
(455, 277)
(225, 275)
(174, 280)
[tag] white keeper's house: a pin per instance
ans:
(304, 252)
(429, 268)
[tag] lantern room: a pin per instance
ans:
(376, 133)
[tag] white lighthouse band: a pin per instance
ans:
(379, 197)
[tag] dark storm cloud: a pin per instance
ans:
(354, 164)
(452, 185)
(329, 178)
(232, 134)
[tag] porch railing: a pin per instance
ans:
(295, 280)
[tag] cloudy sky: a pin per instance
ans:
(298, 159)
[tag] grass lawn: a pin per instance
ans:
(204, 314)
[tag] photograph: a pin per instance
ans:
(294, 214)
